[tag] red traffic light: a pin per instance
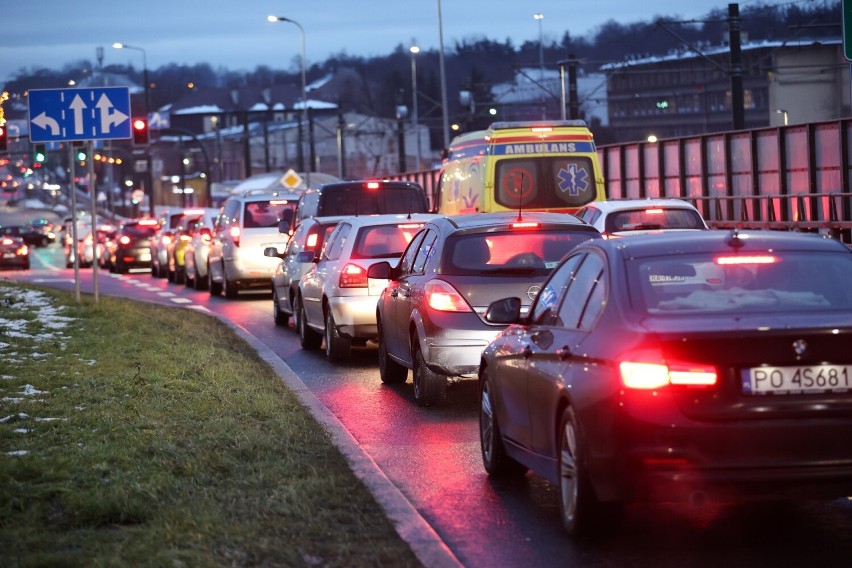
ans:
(140, 131)
(3, 139)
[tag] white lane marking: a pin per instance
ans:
(166, 294)
(181, 300)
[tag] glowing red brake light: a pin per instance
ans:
(235, 235)
(743, 259)
(373, 185)
(653, 211)
(542, 129)
(124, 240)
(525, 225)
(353, 276)
(148, 222)
(650, 371)
(22, 250)
(443, 297)
(311, 242)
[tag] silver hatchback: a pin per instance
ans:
(431, 315)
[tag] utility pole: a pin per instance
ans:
(737, 97)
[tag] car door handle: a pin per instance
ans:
(527, 352)
(564, 352)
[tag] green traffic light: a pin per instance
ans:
(81, 156)
(39, 157)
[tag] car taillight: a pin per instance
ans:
(312, 241)
(443, 297)
(651, 371)
(124, 240)
(235, 235)
(22, 250)
(525, 225)
(353, 276)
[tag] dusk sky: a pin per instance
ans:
(237, 35)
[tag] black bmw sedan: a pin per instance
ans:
(709, 365)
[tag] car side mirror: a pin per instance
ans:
(271, 252)
(380, 270)
(307, 256)
(505, 311)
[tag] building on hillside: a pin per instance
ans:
(537, 94)
(688, 93)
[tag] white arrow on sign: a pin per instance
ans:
(108, 119)
(77, 105)
(44, 121)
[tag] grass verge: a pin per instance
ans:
(138, 435)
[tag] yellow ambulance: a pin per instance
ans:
(527, 166)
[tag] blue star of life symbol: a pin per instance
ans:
(573, 180)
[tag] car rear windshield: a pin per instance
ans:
(139, 231)
(371, 201)
(526, 251)
(384, 241)
(653, 218)
(770, 282)
(268, 213)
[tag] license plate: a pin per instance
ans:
(8, 255)
(797, 380)
(145, 257)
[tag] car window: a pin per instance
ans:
(407, 259)
(780, 281)
(384, 241)
(536, 251)
(425, 251)
(651, 218)
(544, 310)
(577, 297)
(336, 241)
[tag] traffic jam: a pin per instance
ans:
(619, 350)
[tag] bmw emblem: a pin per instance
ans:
(800, 347)
(533, 292)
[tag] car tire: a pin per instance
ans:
(581, 511)
(430, 388)
(229, 287)
(494, 458)
(390, 371)
(308, 338)
(337, 347)
(215, 288)
(199, 282)
(280, 318)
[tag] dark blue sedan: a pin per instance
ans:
(708, 365)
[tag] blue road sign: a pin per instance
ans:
(58, 115)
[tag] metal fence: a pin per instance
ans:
(783, 178)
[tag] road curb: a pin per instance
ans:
(409, 524)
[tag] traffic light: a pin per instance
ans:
(140, 132)
(39, 153)
(4, 140)
(81, 155)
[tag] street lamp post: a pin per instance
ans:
(540, 17)
(446, 116)
(149, 178)
(304, 88)
(118, 45)
(414, 51)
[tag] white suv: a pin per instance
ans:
(248, 224)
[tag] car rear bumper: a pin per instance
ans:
(355, 316)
